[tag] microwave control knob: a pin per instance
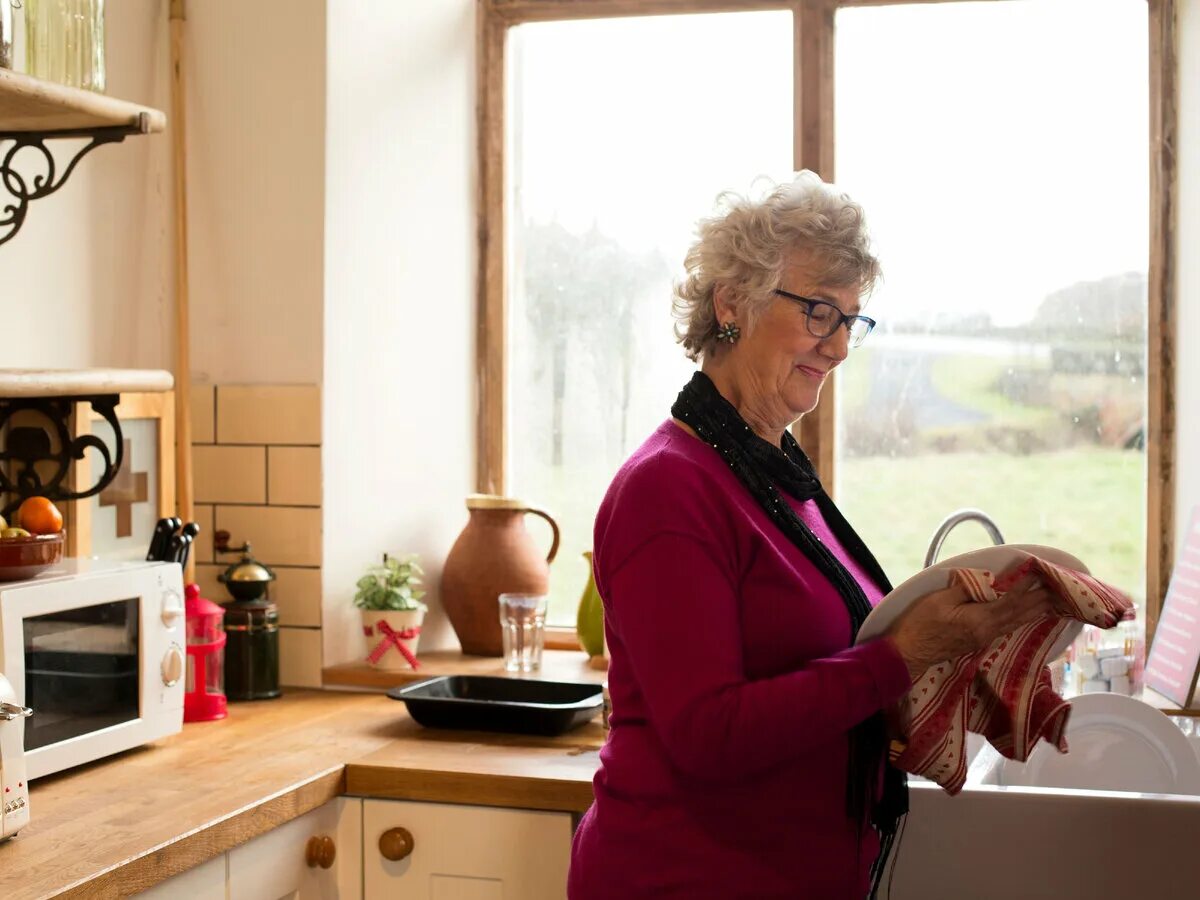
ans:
(172, 608)
(172, 666)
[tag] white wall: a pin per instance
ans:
(1187, 359)
(399, 440)
(88, 279)
(256, 173)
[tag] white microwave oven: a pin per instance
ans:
(96, 650)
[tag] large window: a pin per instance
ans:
(623, 132)
(1001, 151)
(1003, 165)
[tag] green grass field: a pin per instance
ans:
(1089, 502)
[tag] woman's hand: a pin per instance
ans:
(946, 624)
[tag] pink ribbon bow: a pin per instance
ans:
(393, 638)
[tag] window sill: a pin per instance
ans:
(1169, 707)
(557, 665)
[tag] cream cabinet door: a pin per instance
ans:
(205, 882)
(463, 852)
(275, 866)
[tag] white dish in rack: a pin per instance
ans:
(995, 559)
(1115, 743)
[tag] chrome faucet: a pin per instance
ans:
(951, 522)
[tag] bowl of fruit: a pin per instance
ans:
(33, 542)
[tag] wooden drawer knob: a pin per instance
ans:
(320, 851)
(396, 843)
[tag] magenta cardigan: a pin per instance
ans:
(733, 687)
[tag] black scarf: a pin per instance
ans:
(764, 468)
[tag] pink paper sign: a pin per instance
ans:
(1175, 655)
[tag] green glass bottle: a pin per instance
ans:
(589, 622)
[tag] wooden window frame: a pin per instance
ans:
(813, 148)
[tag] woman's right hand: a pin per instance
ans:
(946, 624)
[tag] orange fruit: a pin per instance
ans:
(38, 515)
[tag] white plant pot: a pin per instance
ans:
(399, 621)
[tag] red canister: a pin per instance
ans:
(204, 695)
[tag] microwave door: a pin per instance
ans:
(81, 671)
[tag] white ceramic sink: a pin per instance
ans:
(1126, 746)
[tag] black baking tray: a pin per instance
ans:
(513, 705)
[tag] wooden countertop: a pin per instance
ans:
(483, 769)
(123, 824)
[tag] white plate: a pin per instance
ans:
(995, 559)
(1115, 743)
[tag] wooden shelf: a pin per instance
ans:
(31, 105)
(557, 665)
(82, 382)
(46, 453)
(35, 113)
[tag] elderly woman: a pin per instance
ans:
(748, 738)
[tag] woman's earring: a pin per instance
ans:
(728, 333)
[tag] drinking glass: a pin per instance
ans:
(523, 623)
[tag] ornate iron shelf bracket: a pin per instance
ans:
(24, 189)
(35, 459)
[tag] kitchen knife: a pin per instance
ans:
(189, 532)
(174, 549)
(188, 539)
(159, 540)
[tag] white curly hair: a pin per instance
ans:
(746, 243)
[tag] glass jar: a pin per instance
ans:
(6, 34)
(252, 651)
(1133, 635)
(64, 42)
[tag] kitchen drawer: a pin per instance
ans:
(464, 852)
(205, 882)
(274, 866)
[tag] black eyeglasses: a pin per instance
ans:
(824, 319)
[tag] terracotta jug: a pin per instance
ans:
(493, 555)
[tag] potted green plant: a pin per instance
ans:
(392, 612)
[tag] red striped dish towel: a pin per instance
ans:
(1002, 692)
